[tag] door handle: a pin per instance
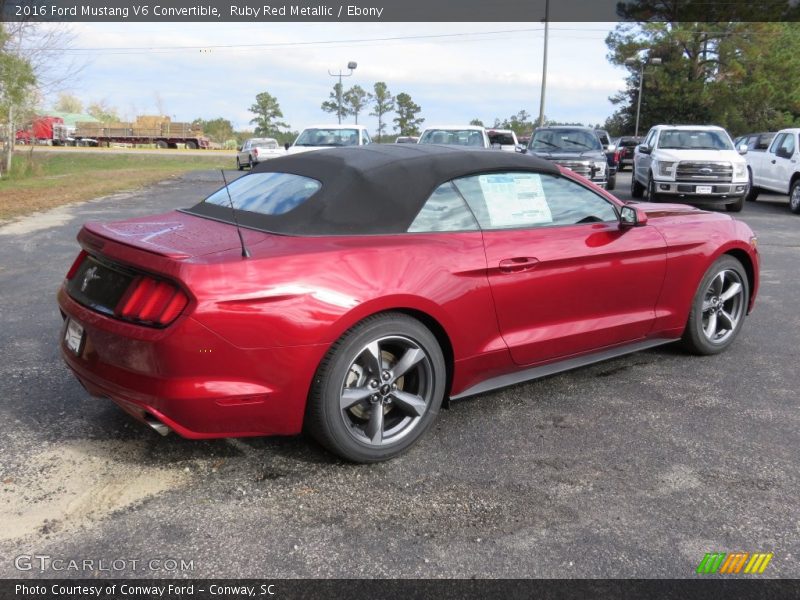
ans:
(518, 264)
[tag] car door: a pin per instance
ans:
(565, 278)
(244, 154)
(642, 161)
(784, 163)
(768, 178)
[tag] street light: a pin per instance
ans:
(351, 66)
(632, 61)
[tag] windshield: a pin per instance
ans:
(452, 137)
(564, 139)
(328, 137)
(264, 143)
(504, 139)
(693, 139)
(266, 193)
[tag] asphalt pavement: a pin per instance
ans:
(634, 467)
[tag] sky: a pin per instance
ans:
(205, 70)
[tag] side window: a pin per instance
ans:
(787, 146)
(445, 210)
(366, 137)
(776, 143)
(651, 139)
(521, 200)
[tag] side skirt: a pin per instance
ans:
(559, 366)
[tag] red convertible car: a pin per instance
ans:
(349, 291)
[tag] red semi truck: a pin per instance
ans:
(146, 130)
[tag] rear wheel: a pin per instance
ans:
(250, 163)
(191, 145)
(239, 164)
(377, 390)
(612, 182)
(718, 309)
(637, 189)
(794, 197)
(162, 144)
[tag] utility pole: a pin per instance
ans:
(351, 66)
(544, 61)
(642, 63)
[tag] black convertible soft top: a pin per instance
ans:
(372, 189)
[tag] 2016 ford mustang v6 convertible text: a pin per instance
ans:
(371, 283)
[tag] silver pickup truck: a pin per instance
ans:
(777, 169)
(256, 150)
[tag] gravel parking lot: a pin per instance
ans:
(634, 467)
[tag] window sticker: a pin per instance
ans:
(515, 199)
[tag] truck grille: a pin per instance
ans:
(704, 171)
(581, 167)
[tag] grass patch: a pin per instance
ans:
(41, 180)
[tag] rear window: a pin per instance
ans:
(452, 137)
(506, 139)
(266, 193)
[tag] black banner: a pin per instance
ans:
(399, 589)
(398, 10)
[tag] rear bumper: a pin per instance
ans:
(189, 378)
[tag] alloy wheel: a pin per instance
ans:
(723, 306)
(387, 390)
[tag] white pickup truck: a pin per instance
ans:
(690, 163)
(256, 150)
(777, 169)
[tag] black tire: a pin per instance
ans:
(191, 145)
(612, 183)
(347, 366)
(250, 163)
(637, 189)
(620, 168)
(736, 206)
(696, 338)
(652, 195)
(239, 165)
(794, 197)
(752, 191)
(162, 144)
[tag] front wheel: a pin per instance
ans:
(652, 196)
(736, 206)
(378, 389)
(718, 309)
(239, 164)
(794, 198)
(752, 191)
(637, 189)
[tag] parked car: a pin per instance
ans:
(329, 136)
(503, 139)
(256, 150)
(576, 148)
(406, 139)
(626, 146)
(690, 163)
(778, 168)
(456, 135)
(356, 299)
(612, 157)
(755, 142)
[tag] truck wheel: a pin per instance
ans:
(251, 164)
(239, 165)
(736, 206)
(794, 197)
(191, 145)
(612, 183)
(752, 191)
(161, 144)
(652, 196)
(637, 189)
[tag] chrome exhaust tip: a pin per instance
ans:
(157, 425)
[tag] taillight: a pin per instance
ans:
(255, 151)
(151, 301)
(74, 268)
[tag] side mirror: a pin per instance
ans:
(632, 216)
(286, 146)
(644, 149)
(742, 149)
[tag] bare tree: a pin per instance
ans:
(37, 62)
